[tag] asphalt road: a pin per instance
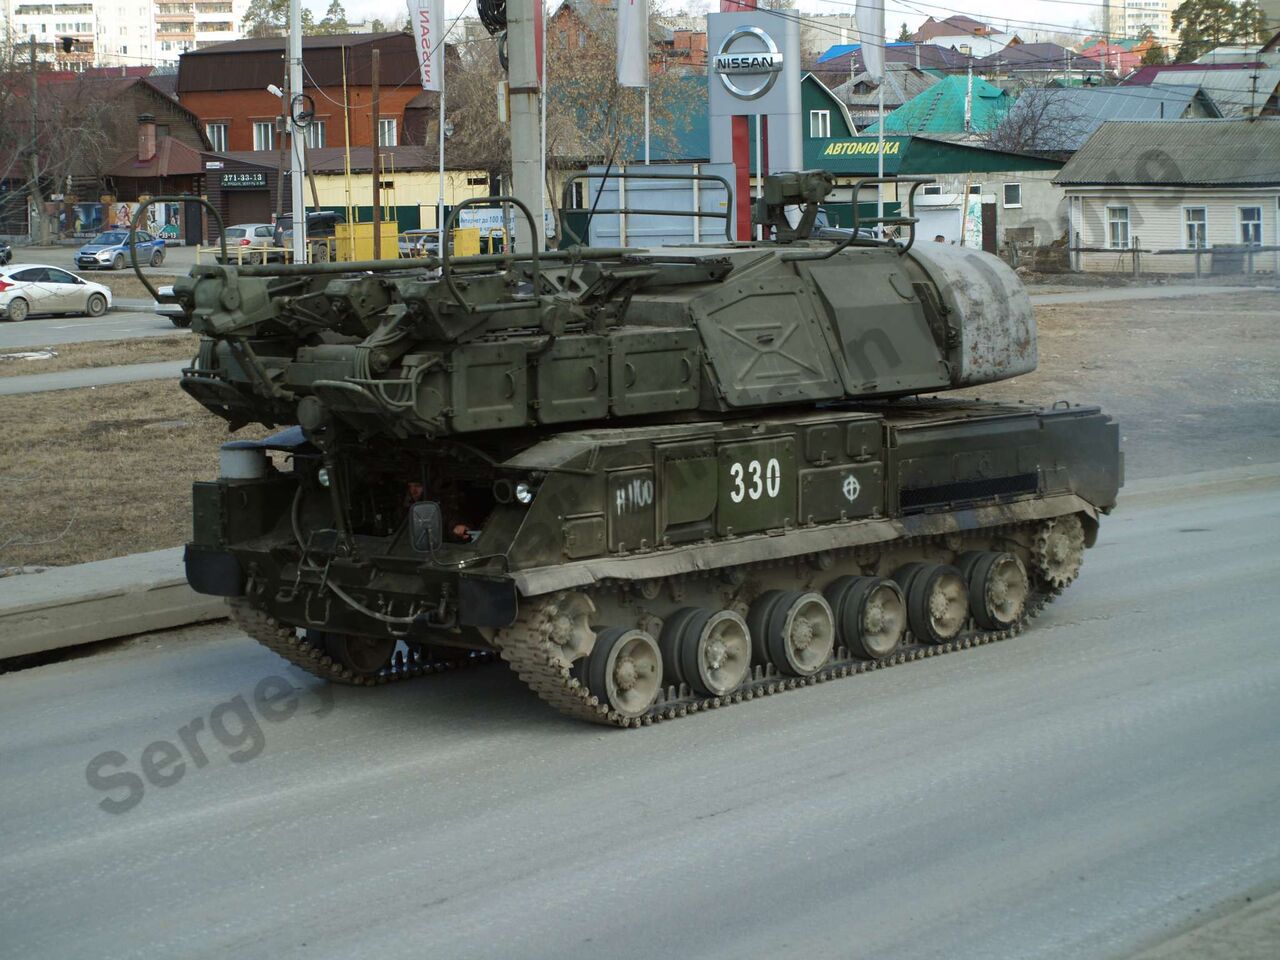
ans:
(1081, 791)
(50, 331)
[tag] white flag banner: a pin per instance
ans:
(427, 20)
(870, 18)
(633, 43)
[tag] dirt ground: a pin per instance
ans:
(95, 473)
(106, 353)
(1194, 384)
(126, 284)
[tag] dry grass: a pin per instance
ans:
(96, 473)
(107, 353)
(126, 284)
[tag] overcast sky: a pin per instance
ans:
(1024, 16)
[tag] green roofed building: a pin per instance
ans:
(1014, 192)
(941, 109)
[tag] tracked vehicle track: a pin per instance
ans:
(529, 649)
(534, 648)
(284, 641)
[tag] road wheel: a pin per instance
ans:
(624, 670)
(937, 601)
(709, 650)
(118, 262)
(96, 305)
(363, 656)
(998, 588)
(157, 258)
(871, 615)
(18, 309)
(799, 630)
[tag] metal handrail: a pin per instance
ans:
(566, 206)
(137, 220)
(909, 220)
(852, 238)
(507, 257)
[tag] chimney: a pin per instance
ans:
(146, 137)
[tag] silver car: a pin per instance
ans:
(27, 288)
(251, 243)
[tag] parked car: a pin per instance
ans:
(418, 243)
(110, 249)
(253, 239)
(321, 225)
(6, 252)
(27, 288)
(167, 307)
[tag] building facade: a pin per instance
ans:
(226, 86)
(1206, 191)
(1134, 19)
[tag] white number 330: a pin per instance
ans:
(755, 481)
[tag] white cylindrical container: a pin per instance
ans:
(242, 463)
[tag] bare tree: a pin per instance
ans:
(1041, 120)
(590, 118)
(56, 129)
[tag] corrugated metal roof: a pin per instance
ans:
(1221, 152)
(1232, 90)
(1066, 116)
(318, 42)
(940, 109)
(901, 82)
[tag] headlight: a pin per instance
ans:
(524, 493)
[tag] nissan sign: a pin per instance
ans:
(748, 62)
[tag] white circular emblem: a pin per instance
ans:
(748, 62)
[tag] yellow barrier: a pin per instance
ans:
(355, 240)
(466, 242)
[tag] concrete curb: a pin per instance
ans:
(69, 606)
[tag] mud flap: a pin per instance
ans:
(213, 572)
(486, 602)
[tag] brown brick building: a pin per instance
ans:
(226, 86)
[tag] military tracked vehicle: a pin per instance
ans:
(652, 481)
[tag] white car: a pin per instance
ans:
(27, 288)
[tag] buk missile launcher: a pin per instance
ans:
(652, 481)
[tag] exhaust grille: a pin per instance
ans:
(968, 491)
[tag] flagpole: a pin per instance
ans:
(646, 124)
(880, 152)
(440, 199)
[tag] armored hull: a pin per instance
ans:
(652, 482)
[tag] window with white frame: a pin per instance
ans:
(387, 132)
(931, 189)
(1013, 194)
(975, 189)
(819, 124)
(1195, 221)
(1118, 228)
(217, 133)
(316, 134)
(1251, 226)
(264, 135)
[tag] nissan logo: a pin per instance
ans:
(747, 71)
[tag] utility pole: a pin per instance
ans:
(377, 163)
(298, 199)
(526, 147)
(35, 198)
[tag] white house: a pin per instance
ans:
(1211, 185)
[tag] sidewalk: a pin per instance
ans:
(92, 377)
(1249, 933)
(69, 606)
(1105, 294)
